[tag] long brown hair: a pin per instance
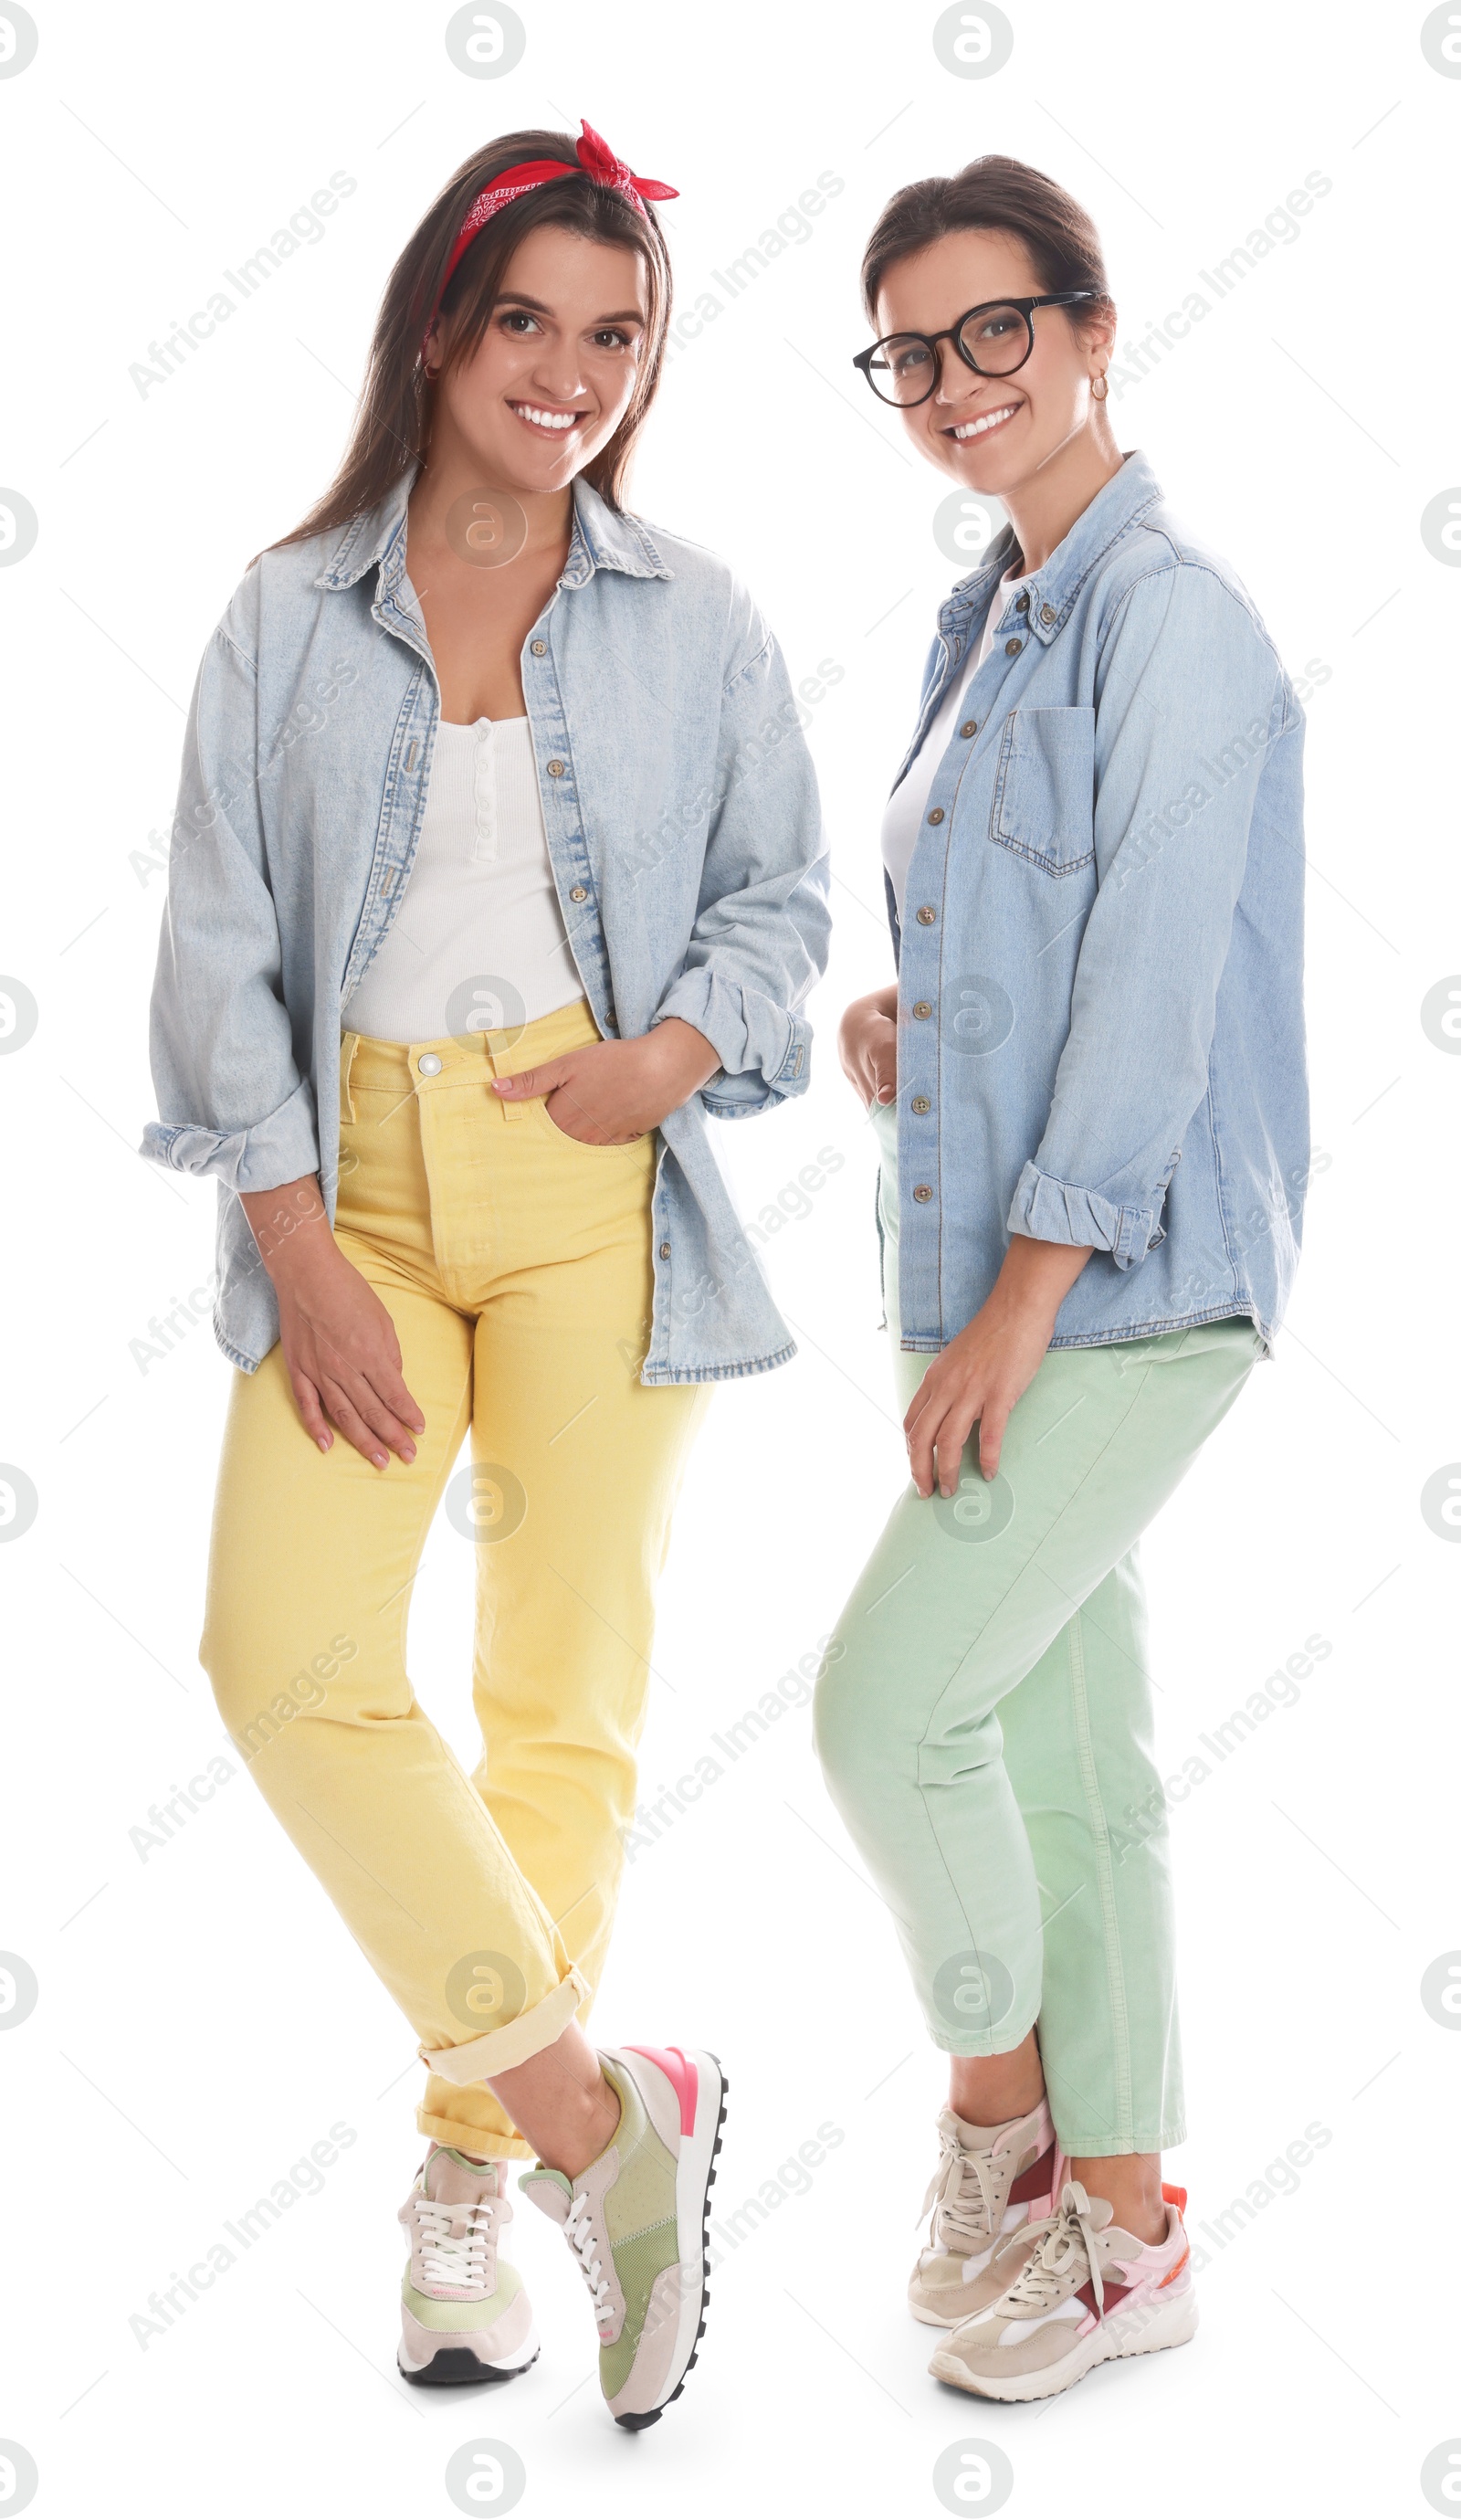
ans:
(993, 192)
(393, 425)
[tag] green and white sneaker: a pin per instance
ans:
(464, 2314)
(635, 2222)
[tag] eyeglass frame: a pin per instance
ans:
(1025, 306)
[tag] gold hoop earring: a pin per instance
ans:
(1099, 388)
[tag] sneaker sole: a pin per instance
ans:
(1175, 2324)
(456, 2367)
(694, 2178)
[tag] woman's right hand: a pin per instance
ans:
(340, 1341)
(867, 1040)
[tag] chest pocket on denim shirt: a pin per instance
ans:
(1044, 787)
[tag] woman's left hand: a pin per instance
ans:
(980, 1375)
(611, 1091)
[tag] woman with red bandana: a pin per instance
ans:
(496, 866)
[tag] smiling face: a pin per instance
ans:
(556, 369)
(994, 433)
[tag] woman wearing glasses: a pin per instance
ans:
(497, 868)
(1087, 1084)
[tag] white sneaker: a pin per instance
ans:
(992, 2185)
(1089, 2292)
(464, 2314)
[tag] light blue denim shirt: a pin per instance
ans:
(685, 836)
(1100, 1017)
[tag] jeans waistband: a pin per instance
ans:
(462, 1058)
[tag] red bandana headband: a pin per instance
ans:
(596, 158)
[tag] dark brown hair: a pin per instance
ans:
(993, 192)
(393, 425)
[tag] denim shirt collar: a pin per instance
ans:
(602, 538)
(1117, 507)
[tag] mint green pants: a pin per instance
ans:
(984, 1722)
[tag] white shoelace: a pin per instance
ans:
(584, 2240)
(1067, 2247)
(456, 2243)
(962, 2193)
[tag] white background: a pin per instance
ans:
(202, 2016)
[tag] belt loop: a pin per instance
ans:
(348, 1049)
(500, 1063)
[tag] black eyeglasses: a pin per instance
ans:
(994, 339)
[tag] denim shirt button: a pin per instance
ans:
(922, 1192)
(920, 1103)
(556, 769)
(1022, 602)
(540, 647)
(927, 915)
(1047, 613)
(580, 892)
(664, 1251)
(922, 1008)
(1011, 649)
(937, 815)
(970, 726)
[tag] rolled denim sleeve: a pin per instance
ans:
(1190, 699)
(232, 1102)
(759, 938)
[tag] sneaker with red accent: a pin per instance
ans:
(635, 2222)
(992, 2185)
(1087, 2293)
(464, 2314)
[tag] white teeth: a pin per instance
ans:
(550, 418)
(991, 420)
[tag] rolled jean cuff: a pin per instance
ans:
(496, 2051)
(283, 1146)
(1060, 1211)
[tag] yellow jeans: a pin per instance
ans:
(515, 1265)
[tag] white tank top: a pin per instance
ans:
(478, 940)
(903, 817)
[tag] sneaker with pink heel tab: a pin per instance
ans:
(636, 2223)
(1087, 2293)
